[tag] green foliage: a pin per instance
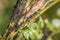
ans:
(33, 31)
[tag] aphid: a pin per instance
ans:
(39, 9)
(47, 3)
(33, 14)
(34, 8)
(17, 12)
(16, 15)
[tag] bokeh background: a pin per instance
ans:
(51, 18)
(6, 7)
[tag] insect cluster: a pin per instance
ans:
(22, 14)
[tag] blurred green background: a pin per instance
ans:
(52, 15)
(6, 7)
